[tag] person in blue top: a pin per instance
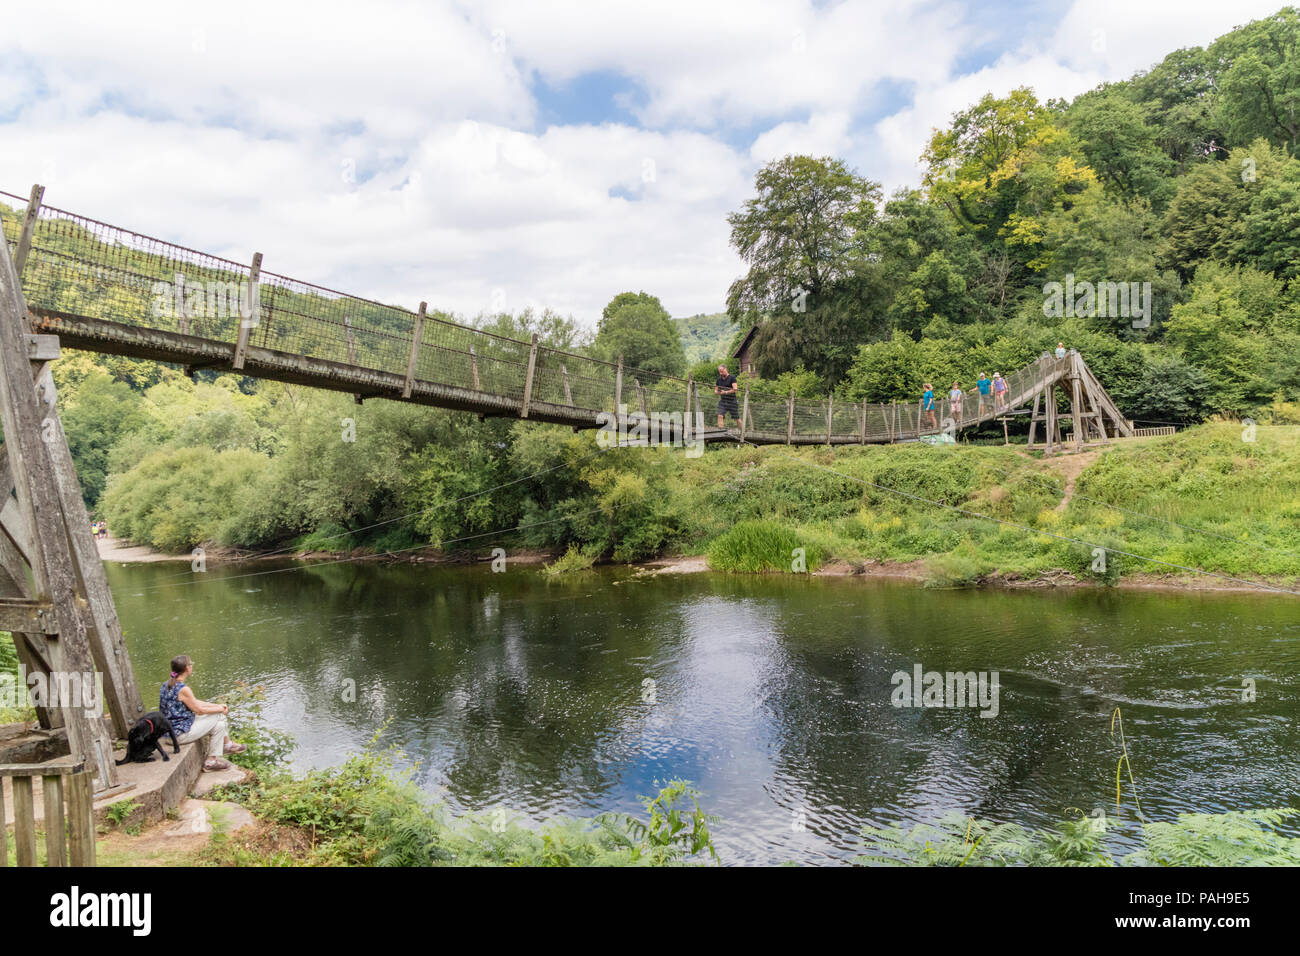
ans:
(986, 391)
(194, 719)
(927, 405)
(1060, 350)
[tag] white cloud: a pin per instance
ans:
(394, 149)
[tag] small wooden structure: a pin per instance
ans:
(744, 355)
(68, 813)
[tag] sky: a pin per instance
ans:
(506, 154)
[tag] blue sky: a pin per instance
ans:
(517, 153)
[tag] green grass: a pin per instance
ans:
(1203, 498)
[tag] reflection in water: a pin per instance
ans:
(771, 694)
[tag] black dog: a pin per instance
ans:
(143, 739)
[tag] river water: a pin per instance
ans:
(774, 695)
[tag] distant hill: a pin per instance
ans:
(706, 336)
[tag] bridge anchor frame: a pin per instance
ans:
(53, 590)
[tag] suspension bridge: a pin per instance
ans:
(104, 288)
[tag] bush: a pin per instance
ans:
(753, 546)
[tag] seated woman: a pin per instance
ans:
(194, 719)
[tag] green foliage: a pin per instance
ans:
(577, 558)
(368, 812)
(753, 546)
(121, 811)
(706, 339)
(1235, 838)
(268, 748)
(177, 499)
(638, 328)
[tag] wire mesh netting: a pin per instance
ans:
(83, 267)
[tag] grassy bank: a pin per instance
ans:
(1204, 498)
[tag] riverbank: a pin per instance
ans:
(1205, 509)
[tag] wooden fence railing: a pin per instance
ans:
(69, 819)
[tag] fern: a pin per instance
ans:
(1238, 838)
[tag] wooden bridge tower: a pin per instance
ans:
(1090, 409)
(54, 596)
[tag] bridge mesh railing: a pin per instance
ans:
(85, 267)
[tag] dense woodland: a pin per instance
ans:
(1185, 177)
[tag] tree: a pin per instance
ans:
(638, 328)
(1260, 92)
(800, 235)
(1120, 146)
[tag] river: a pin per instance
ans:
(774, 695)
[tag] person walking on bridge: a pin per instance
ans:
(954, 402)
(1060, 350)
(927, 404)
(725, 389)
(985, 389)
(999, 392)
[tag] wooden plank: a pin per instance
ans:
(104, 631)
(24, 822)
(417, 336)
(247, 324)
(19, 614)
(35, 486)
(81, 821)
(42, 348)
(58, 767)
(528, 377)
(29, 228)
(744, 414)
(56, 841)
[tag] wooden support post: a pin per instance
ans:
(81, 821)
(1033, 420)
(104, 630)
(417, 336)
(686, 421)
(862, 440)
(24, 822)
(789, 419)
(568, 393)
(56, 841)
(249, 322)
(830, 410)
(618, 389)
(1076, 413)
(29, 228)
(744, 414)
(473, 369)
(528, 377)
(640, 394)
(893, 420)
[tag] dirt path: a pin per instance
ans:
(114, 549)
(1070, 467)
